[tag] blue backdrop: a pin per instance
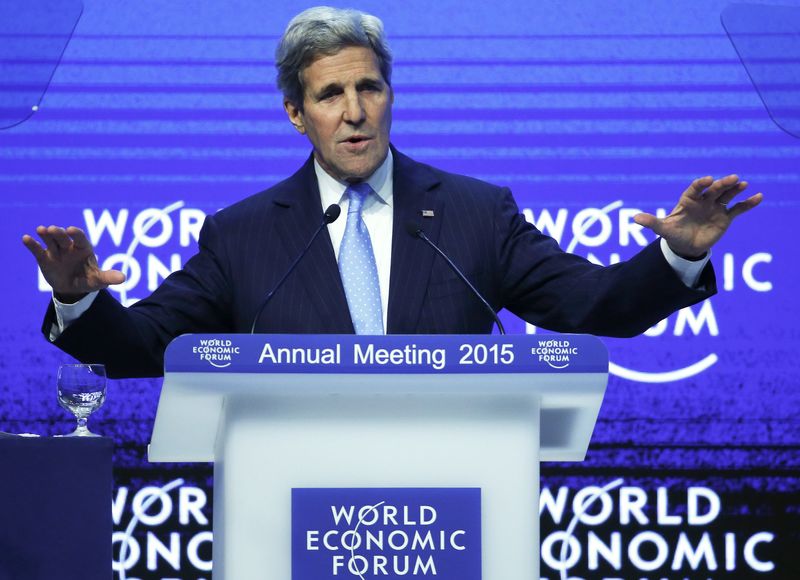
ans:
(159, 113)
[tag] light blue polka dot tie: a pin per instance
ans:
(357, 266)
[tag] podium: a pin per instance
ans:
(341, 456)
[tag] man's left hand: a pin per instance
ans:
(702, 215)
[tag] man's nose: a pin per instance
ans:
(353, 109)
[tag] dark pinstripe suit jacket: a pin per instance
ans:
(245, 248)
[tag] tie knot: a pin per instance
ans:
(357, 193)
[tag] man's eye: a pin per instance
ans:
(329, 95)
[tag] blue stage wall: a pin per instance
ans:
(159, 113)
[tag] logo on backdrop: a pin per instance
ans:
(665, 532)
(147, 244)
(386, 533)
(590, 229)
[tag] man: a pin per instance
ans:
(367, 273)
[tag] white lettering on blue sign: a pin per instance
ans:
(411, 354)
(302, 356)
(373, 533)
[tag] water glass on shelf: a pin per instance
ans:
(81, 391)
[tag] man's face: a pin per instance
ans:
(347, 113)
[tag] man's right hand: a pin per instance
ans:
(69, 264)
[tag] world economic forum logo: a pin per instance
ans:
(218, 353)
(589, 230)
(380, 533)
(556, 353)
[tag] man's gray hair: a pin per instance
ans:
(324, 31)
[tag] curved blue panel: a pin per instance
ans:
(767, 39)
(33, 36)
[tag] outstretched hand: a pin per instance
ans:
(68, 263)
(702, 215)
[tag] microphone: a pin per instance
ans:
(331, 215)
(415, 231)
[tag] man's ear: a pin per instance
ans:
(295, 116)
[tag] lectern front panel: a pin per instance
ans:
(279, 446)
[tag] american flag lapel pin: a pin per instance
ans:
(427, 213)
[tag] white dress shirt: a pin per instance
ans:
(377, 213)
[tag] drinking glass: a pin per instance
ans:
(81, 391)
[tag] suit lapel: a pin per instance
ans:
(318, 270)
(414, 191)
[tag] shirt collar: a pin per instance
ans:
(331, 190)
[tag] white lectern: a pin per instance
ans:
(378, 456)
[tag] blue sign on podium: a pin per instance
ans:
(386, 533)
(346, 354)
